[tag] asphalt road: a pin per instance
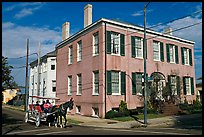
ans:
(13, 124)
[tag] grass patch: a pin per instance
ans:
(138, 117)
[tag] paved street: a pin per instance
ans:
(13, 124)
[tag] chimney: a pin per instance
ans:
(87, 15)
(168, 31)
(65, 30)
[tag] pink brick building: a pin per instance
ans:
(103, 64)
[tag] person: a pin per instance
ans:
(37, 103)
(42, 105)
(46, 106)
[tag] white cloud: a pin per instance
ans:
(141, 12)
(14, 39)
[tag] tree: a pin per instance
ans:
(7, 80)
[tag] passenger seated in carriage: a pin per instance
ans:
(46, 106)
(37, 103)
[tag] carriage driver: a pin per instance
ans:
(46, 106)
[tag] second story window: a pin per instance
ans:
(79, 51)
(186, 56)
(156, 50)
(172, 53)
(70, 55)
(115, 43)
(95, 44)
(137, 47)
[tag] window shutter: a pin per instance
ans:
(169, 81)
(192, 86)
(184, 86)
(182, 55)
(122, 44)
(109, 86)
(161, 51)
(176, 53)
(178, 85)
(190, 57)
(167, 53)
(123, 83)
(108, 46)
(133, 46)
(133, 83)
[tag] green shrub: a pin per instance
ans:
(123, 106)
(110, 114)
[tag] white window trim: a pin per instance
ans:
(69, 90)
(78, 60)
(119, 93)
(187, 54)
(78, 86)
(136, 56)
(70, 61)
(139, 93)
(93, 43)
(174, 54)
(77, 109)
(93, 113)
(93, 77)
(118, 54)
(159, 52)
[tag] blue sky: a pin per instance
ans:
(42, 21)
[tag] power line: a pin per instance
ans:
(22, 56)
(175, 19)
(18, 67)
(178, 29)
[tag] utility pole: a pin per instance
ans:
(38, 86)
(145, 78)
(26, 84)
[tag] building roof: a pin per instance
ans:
(121, 24)
(50, 54)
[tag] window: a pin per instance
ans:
(95, 112)
(172, 53)
(188, 87)
(78, 109)
(187, 83)
(115, 43)
(137, 79)
(79, 51)
(138, 47)
(156, 50)
(115, 83)
(95, 83)
(54, 86)
(70, 55)
(79, 84)
(173, 85)
(69, 85)
(52, 67)
(186, 56)
(95, 44)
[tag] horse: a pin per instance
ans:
(52, 116)
(62, 110)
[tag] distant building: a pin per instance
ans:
(47, 77)
(9, 94)
(103, 64)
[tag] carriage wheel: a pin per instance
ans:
(26, 117)
(37, 122)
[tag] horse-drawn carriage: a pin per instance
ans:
(35, 113)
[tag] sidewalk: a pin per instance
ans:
(167, 121)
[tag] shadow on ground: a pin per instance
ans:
(193, 121)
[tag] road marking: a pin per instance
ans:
(53, 133)
(26, 131)
(146, 131)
